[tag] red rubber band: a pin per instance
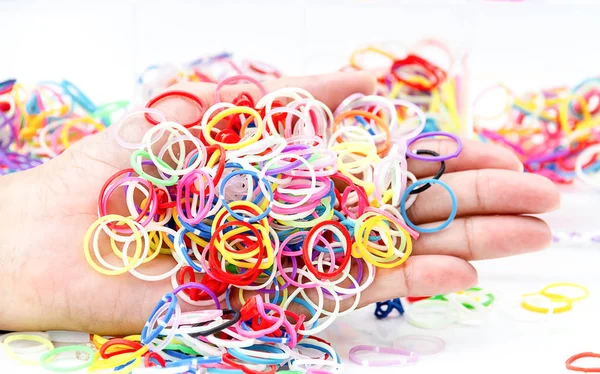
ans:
(345, 259)
(243, 279)
(157, 357)
(414, 299)
(184, 94)
(193, 292)
(163, 202)
(436, 74)
(133, 347)
(572, 359)
(145, 209)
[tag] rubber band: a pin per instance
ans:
(442, 225)
(29, 337)
(442, 314)
(548, 305)
(437, 175)
(383, 309)
(434, 158)
(183, 94)
(407, 357)
(235, 79)
(115, 128)
(570, 362)
(46, 358)
(584, 295)
(236, 110)
(95, 229)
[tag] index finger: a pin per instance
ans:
(474, 155)
(331, 89)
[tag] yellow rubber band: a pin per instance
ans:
(586, 292)
(64, 134)
(361, 249)
(119, 360)
(261, 226)
(33, 338)
(371, 49)
(151, 256)
(138, 244)
(258, 122)
(537, 309)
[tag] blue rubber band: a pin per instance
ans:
(256, 201)
(363, 122)
(433, 229)
(121, 367)
(194, 361)
(180, 245)
(146, 336)
(78, 96)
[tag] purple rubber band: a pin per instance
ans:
(291, 165)
(548, 157)
(201, 287)
(415, 156)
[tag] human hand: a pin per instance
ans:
(48, 284)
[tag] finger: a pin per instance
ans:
(331, 88)
(421, 275)
(474, 155)
(471, 239)
(481, 192)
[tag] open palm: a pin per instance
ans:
(46, 212)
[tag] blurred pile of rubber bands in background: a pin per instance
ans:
(553, 130)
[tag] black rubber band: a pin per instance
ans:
(438, 175)
(236, 317)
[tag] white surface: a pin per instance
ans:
(101, 45)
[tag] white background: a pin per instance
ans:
(101, 45)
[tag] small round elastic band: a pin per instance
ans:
(406, 357)
(420, 183)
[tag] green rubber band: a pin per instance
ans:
(46, 357)
(490, 298)
(231, 268)
(181, 348)
(157, 181)
(105, 111)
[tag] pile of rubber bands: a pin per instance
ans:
(267, 208)
(38, 123)
(553, 131)
(437, 88)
